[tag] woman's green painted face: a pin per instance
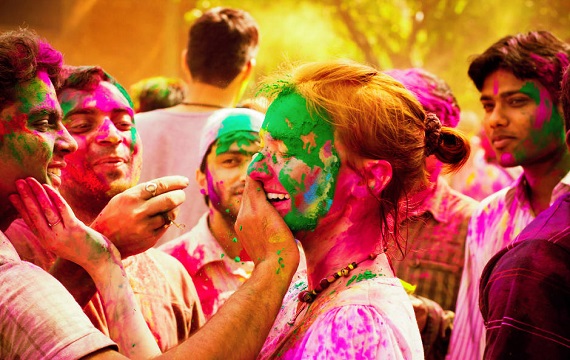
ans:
(298, 163)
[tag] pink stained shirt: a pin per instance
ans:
(215, 275)
(494, 225)
(368, 319)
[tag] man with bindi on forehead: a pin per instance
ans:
(519, 80)
(524, 289)
(100, 184)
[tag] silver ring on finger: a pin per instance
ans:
(151, 188)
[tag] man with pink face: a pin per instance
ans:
(98, 114)
(519, 81)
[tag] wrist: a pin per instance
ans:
(279, 269)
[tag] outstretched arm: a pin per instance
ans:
(238, 330)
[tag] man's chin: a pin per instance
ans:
(118, 186)
(53, 180)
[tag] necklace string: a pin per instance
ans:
(202, 104)
(308, 296)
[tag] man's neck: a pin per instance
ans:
(200, 93)
(543, 177)
(222, 229)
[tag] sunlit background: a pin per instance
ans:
(135, 39)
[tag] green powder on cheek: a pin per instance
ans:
(133, 139)
(547, 120)
(11, 145)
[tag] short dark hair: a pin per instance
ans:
(220, 43)
(565, 98)
(537, 55)
(87, 78)
(22, 54)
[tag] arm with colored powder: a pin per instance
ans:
(59, 231)
(238, 330)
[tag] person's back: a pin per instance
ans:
(525, 291)
(220, 57)
(519, 80)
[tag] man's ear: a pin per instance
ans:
(377, 174)
(242, 80)
(202, 183)
(184, 65)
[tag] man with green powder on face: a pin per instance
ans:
(99, 182)
(210, 252)
(519, 80)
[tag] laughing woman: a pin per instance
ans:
(343, 147)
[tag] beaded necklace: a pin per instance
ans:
(308, 296)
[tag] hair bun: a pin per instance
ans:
(433, 132)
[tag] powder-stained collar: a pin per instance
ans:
(518, 190)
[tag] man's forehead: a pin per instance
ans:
(236, 141)
(105, 97)
(37, 95)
